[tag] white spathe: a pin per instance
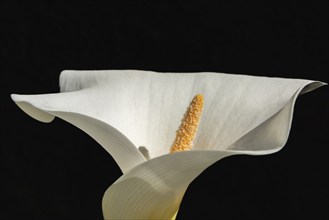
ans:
(134, 115)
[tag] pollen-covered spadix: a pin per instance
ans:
(134, 115)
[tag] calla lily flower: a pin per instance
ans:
(134, 115)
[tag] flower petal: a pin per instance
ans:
(244, 115)
(272, 134)
(147, 107)
(241, 105)
(154, 189)
(46, 107)
(153, 104)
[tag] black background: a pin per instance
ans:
(54, 171)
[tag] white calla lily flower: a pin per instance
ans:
(134, 115)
